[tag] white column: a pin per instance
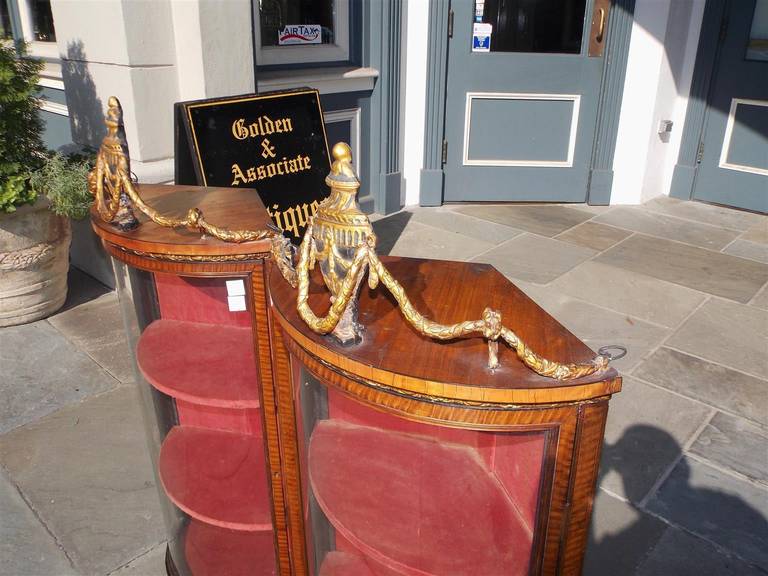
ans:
(662, 53)
(125, 49)
(415, 87)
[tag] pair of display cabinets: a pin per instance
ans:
(279, 451)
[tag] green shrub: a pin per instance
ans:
(21, 145)
(64, 180)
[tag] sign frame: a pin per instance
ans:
(189, 163)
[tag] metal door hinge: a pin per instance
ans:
(700, 152)
(444, 157)
(450, 24)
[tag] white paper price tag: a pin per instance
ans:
(236, 295)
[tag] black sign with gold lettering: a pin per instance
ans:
(273, 142)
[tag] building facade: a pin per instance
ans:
(596, 101)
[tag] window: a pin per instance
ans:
(37, 28)
(301, 31)
(42, 21)
(6, 32)
(757, 49)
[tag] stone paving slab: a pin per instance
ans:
(712, 272)
(711, 383)
(545, 220)
(86, 471)
(637, 219)
(41, 372)
(757, 233)
(706, 213)
(630, 293)
(388, 230)
(599, 327)
(593, 235)
(25, 545)
(680, 554)
(81, 288)
(718, 507)
(422, 241)
(748, 249)
(761, 299)
(621, 537)
(730, 334)
(736, 444)
(535, 258)
(466, 225)
(96, 327)
(642, 443)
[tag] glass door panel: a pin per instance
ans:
(549, 26)
(385, 496)
(195, 361)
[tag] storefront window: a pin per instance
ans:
(295, 23)
(6, 33)
(301, 31)
(42, 21)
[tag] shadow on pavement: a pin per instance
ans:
(714, 515)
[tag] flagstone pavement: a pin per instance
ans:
(683, 487)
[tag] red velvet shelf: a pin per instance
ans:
(209, 364)
(217, 477)
(414, 504)
(213, 551)
(344, 564)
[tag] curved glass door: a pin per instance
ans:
(387, 496)
(196, 365)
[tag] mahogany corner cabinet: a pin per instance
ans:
(279, 451)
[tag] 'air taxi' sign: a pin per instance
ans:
(299, 34)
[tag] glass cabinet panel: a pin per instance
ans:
(196, 365)
(386, 496)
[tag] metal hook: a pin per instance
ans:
(606, 351)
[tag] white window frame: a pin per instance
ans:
(310, 53)
(47, 50)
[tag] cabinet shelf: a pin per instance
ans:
(208, 364)
(213, 551)
(415, 505)
(217, 477)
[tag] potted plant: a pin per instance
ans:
(39, 192)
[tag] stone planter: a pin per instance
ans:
(34, 260)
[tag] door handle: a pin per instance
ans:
(601, 25)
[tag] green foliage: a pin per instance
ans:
(21, 145)
(64, 180)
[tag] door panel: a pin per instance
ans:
(520, 118)
(493, 116)
(734, 163)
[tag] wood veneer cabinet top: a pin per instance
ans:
(232, 208)
(394, 355)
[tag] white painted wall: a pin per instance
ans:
(415, 96)
(662, 53)
(149, 55)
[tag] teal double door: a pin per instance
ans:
(523, 83)
(733, 147)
